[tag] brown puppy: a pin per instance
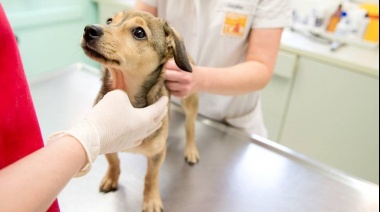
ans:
(133, 48)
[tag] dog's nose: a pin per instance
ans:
(92, 32)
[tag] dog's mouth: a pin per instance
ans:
(94, 54)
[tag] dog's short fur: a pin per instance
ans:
(133, 48)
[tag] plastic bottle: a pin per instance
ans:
(341, 31)
(343, 26)
(334, 20)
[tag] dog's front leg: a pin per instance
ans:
(152, 198)
(110, 180)
(190, 106)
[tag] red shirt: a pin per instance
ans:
(20, 132)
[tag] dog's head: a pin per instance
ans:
(134, 42)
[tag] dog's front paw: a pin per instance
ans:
(192, 155)
(153, 205)
(110, 181)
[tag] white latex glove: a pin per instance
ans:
(114, 125)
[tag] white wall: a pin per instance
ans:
(307, 5)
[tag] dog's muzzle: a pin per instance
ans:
(92, 32)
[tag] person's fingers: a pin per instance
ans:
(120, 81)
(173, 86)
(154, 129)
(178, 94)
(162, 115)
(137, 143)
(172, 65)
(156, 109)
(116, 96)
(117, 92)
(134, 144)
(111, 97)
(173, 75)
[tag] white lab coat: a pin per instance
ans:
(202, 23)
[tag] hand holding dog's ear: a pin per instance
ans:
(180, 83)
(114, 124)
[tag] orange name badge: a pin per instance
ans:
(234, 24)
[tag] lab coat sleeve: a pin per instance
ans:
(273, 14)
(152, 3)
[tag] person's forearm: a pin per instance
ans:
(239, 79)
(32, 183)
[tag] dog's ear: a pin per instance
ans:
(176, 44)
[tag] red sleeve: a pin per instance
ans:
(20, 133)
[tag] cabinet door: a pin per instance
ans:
(46, 49)
(275, 96)
(49, 36)
(333, 117)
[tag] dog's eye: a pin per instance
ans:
(139, 33)
(109, 20)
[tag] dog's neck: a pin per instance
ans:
(151, 89)
(142, 90)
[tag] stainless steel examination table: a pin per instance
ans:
(235, 172)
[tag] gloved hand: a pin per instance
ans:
(114, 124)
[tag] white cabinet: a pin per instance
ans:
(48, 33)
(276, 95)
(333, 117)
